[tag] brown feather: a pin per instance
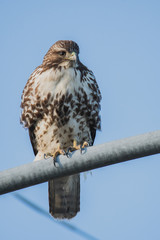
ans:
(64, 197)
(56, 112)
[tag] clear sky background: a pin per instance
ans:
(120, 42)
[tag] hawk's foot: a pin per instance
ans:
(84, 145)
(77, 146)
(54, 155)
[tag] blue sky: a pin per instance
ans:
(119, 41)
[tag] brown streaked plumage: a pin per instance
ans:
(60, 106)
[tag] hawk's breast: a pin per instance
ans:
(65, 114)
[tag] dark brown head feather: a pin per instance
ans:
(68, 45)
(52, 58)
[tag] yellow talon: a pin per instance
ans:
(54, 155)
(58, 152)
(75, 146)
(85, 144)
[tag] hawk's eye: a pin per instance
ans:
(62, 53)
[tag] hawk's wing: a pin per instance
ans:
(94, 120)
(33, 139)
(93, 134)
(31, 106)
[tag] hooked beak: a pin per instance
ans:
(72, 56)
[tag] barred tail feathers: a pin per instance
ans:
(64, 196)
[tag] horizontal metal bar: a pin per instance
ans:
(93, 157)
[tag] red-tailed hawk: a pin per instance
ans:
(60, 107)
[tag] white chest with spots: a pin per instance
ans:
(56, 81)
(61, 124)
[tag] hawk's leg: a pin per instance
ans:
(54, 155)
(84, 145)
(77, 146)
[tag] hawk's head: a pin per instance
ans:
(62, 53)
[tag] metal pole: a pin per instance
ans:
(93, 157)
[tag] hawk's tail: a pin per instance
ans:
(64, 196)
